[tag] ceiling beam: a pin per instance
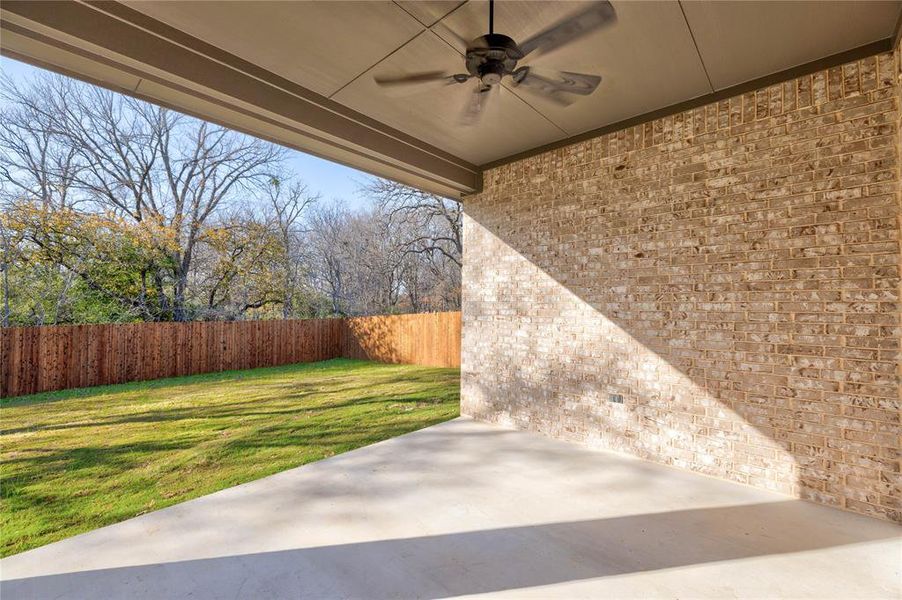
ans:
(112, 45)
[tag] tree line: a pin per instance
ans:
(114, 209)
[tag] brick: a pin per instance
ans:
(732, 271)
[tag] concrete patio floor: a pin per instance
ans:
(468, 508)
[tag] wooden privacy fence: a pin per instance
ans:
(420, 339)
(41, 359)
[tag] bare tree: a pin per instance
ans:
(435, 223)
(288, 202)
(373, 246)
(145, 164)
(153, 215)
(431, 237)
(38, 161)
(330, 259)
(366, 263)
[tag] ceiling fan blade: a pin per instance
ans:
(418, 82)
(420, 78)
(476, 103)
(597, 15)
(555, 84)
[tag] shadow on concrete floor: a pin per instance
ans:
(452, 564)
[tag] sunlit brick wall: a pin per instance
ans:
(731, 272)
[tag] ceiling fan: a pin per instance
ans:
(491, 57)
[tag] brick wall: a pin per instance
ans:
(732, 272)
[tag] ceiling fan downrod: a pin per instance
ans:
(491, 17)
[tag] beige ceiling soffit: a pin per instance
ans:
(878, 47)
(435, 18)
(195, 77)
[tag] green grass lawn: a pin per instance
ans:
(76, 460)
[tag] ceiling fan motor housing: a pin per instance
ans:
(491, 57)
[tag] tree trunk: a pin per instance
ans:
(179, 313)
(6, 295)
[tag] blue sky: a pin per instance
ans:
(331, 180)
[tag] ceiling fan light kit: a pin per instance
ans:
(492, 57)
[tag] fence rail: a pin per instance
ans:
(41, 359)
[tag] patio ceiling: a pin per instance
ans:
(301, 73)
